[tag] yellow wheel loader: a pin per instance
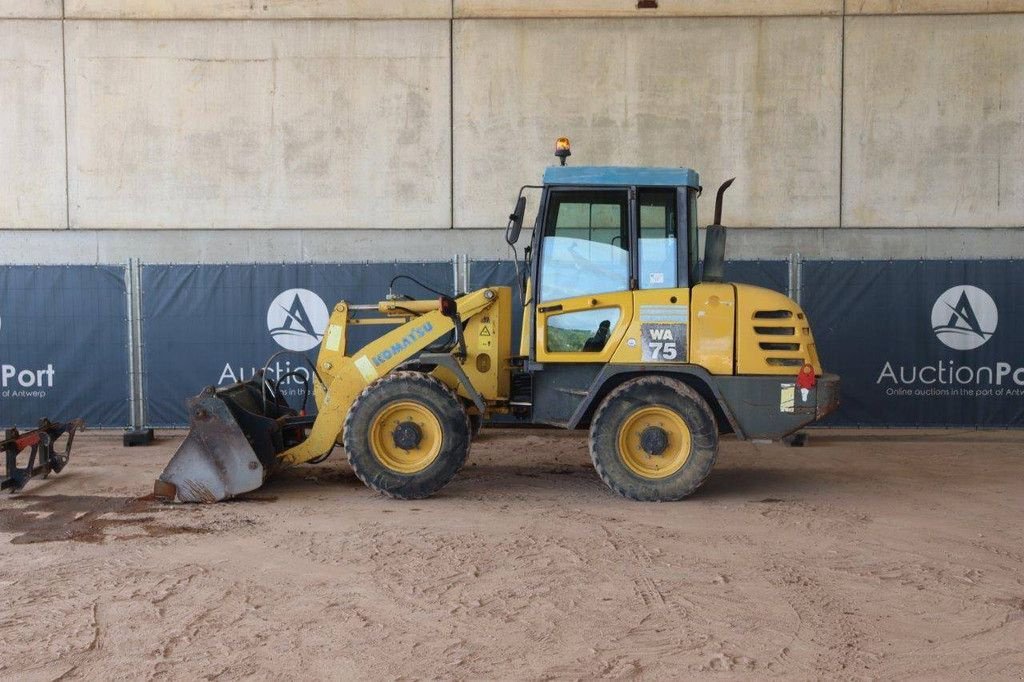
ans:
(623, 334)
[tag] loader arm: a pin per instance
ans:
(347, 375)
(242, 432)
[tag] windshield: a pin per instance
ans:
(585, 243)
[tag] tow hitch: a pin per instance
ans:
(44, 456)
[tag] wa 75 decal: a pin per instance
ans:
(663, 333)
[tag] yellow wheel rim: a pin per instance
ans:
(406, 437)
(668, 429)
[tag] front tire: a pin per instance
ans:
(653, 439)
(406, 435)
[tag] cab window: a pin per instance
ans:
(581, 331)
(658, 239)
(585, 246)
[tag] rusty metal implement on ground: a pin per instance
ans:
(46, 453)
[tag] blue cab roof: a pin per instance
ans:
(621, 176)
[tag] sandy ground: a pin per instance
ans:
(864, 554)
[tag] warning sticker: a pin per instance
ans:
(486, 336)
(333, 337)
(787, 397)
(365, 368)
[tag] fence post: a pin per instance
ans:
(796, 270)
(455, 274)
(137, 434)
(129, 316)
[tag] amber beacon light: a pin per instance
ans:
(562, 149)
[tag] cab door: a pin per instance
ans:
(584, 303)
(659, 331)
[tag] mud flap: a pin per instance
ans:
(215, 461)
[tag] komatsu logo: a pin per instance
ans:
(297, 319)
(964, 317)
(415, 335)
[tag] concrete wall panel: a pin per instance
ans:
(263, 9)
(933, 6)
(628, 8)
(30, 9)
(258, 124)
(32, 178)
(754, 98)
(934, 134)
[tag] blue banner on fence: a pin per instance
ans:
(63, 345)
(770, 274)
(208, 325)
(921, 343)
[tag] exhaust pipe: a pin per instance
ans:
(714, 241)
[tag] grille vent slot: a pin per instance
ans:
(773, 314)
(779, 346)
(785, 362)
(775, 331)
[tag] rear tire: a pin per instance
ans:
(653, 439)
(406, 435)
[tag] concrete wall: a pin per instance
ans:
(231, 130)
(726, 97)
(934, 121)
(32, 160)
(239, 124)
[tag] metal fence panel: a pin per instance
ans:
(921, 343)
(770, 274)
(63, 345)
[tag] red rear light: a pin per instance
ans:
(806, 378)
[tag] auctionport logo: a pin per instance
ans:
(297, 319)
(964, 317)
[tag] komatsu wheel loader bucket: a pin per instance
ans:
(231, 447)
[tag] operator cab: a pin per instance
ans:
(606, 229)
(603, 232)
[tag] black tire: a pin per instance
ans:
(657, 392)
(476, 422)
(397, 389)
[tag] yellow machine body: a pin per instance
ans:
(732, 329)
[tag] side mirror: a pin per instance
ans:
(515, 222)
(714, 241)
